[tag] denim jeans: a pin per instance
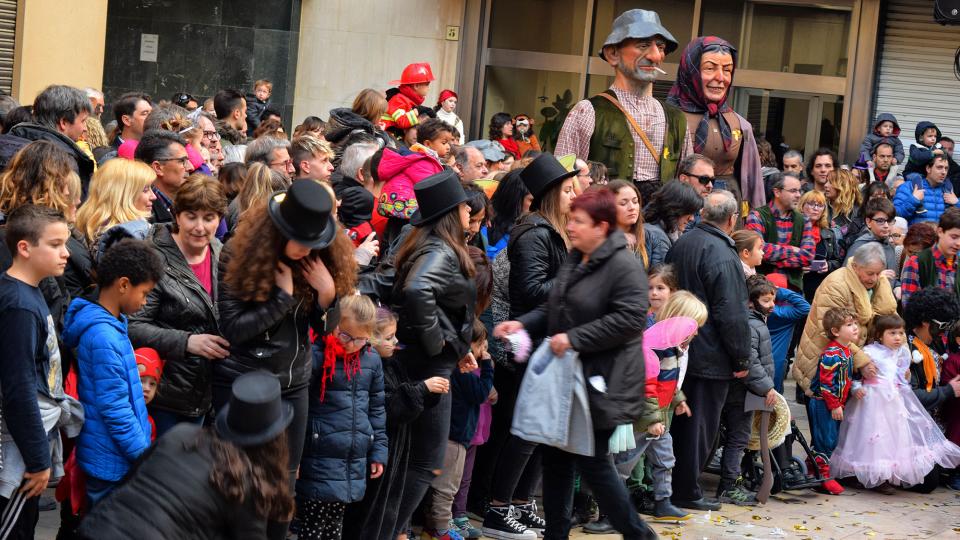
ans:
(599, 473)
(165, 420)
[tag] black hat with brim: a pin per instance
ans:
(437, 195)
(541, 174)
(256, 414)
(305, 214)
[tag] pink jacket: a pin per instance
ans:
(401, 173)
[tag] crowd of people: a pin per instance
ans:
(216, 330)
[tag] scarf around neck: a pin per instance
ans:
(332, 350)
(687, 92)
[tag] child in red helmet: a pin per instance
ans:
(150, 367)
(414, 84)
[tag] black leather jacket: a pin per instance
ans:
(177, 308)
(536, 252)
(271, 335)
(434, 302)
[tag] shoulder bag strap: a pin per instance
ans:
(635, 125)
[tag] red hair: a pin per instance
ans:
(600, 205)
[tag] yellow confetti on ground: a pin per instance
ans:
(799, 527)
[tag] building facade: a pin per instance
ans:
(809, 75)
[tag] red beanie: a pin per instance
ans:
(149, 363)
(446, 94)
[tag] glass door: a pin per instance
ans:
(792, 120)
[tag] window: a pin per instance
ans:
(548, 26)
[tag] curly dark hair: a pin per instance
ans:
(507, 203)
(255, 250)
(673, 200)
(258, 470)
(758, 285)
(135, 260)
(496, 125)
(932, 303)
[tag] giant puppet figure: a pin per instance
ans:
(701, 90)
(636, 136)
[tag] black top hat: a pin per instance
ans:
(255, 414)
(437, 194)
(305, 214)
(541, 174)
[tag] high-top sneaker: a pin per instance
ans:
(529, 517)
(501, 522)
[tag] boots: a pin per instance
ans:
(821, 464)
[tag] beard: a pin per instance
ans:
(636, 73)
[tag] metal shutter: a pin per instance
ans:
(916, 80)
(8, 30)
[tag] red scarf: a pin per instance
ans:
(332, 350)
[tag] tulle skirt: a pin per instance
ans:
(889, 437)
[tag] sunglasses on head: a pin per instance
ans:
(182, 99)
(941, 326)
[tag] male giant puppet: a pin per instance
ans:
(701, 90)
(636, 136)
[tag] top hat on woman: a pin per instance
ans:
(541, 174)
(255, 414)
(305, 213)
(436, 195)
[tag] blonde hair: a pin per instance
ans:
(260, 183)
(360, 310)
(113, 191)
(848, 192)
(816, 197)
(684, 304)
(96, 137)
(550, 210)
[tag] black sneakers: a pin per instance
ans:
(502, 522)
(529, 517)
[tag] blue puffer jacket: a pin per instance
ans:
(911, 209)
(345, 433)
(116, 428)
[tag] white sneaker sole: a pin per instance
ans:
(504, 535)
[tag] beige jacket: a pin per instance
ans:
(841, 288)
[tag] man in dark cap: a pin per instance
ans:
(636, 136)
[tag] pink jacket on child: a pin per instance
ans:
(401, 173)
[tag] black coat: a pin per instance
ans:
(707, 265)
(536, 252)
(434, 302)
(169, 495)
(602, 307)
(271, 335)
(36, 132)
(78, 276)
(177, 308)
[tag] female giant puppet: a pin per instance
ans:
(701, 90)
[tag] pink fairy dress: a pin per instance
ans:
(888, 436)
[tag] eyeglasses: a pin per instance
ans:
(347, 339)
(896, 236)
(941, 326)
(183, 160)
(815, 205)
(212, 135)
(284, 164)
(794, 190)
(880, 221)
(703, 179)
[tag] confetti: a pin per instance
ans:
(756, 518)
(799, 528)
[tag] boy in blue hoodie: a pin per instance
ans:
(116, 429)
(30, 371)
(927, 134)
(885, 130)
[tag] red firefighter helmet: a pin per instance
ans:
(415, 74)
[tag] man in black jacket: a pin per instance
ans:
(60, 114)
(707, 266)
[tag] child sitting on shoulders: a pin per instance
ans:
(887, 438)
(885, 130)
(346, 422)
(663, 283)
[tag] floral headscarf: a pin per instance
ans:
(687, 92)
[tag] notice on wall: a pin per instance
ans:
(148, 47)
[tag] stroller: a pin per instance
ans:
(790, 472)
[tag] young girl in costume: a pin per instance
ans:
(887, 438)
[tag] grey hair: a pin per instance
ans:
(93, 93)
(58, 102)
(354, 157)
(868, 254)
(461, 156)
(793, 154)
(261, 150)
(690, 161)
(718, 207)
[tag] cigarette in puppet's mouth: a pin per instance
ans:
(662, 72)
